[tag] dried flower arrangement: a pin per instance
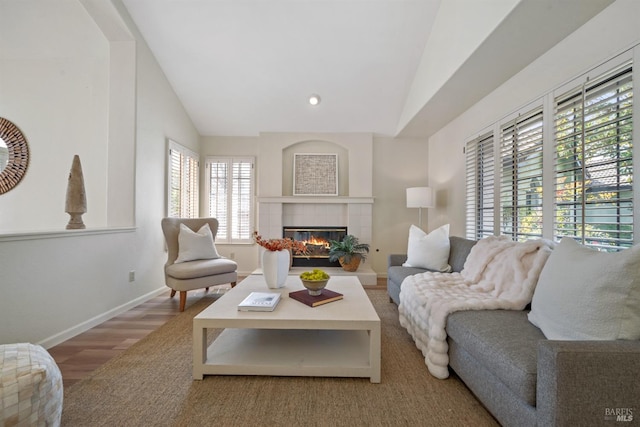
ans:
(296, 246)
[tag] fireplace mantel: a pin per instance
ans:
(316, 199)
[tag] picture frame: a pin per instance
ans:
(315, 174)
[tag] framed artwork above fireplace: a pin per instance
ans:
(315, 174)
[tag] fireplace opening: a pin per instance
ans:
(316, 240)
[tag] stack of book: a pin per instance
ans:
(260, 301)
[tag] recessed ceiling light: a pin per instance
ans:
(314, 99)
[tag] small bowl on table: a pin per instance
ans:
(315, 287)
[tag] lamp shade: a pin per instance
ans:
(420, 197)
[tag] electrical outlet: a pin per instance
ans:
(232, 255)
(132, 276)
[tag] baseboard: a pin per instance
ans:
(85, 326)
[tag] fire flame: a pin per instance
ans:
(313, 240)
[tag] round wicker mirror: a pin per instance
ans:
(14, 155)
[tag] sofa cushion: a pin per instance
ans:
(430, 251)
(585, 294)
(201, 268)
(397, 274)
(460, 248)
(510, 354)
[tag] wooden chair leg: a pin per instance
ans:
(173, 293)
(233, 284)
(183, 299)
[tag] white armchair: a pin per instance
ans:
(199, 273)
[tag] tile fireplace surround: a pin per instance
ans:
(298, 211)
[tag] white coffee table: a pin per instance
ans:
(338, 339)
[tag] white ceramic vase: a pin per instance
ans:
(275, 267)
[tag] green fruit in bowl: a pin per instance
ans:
(316, 274)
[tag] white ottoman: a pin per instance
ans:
(30, 386)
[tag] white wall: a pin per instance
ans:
(54, 85)
(460, 27)
(358, 145)
(607, 34)
(395, 164)
(398, 163)
(56, 285)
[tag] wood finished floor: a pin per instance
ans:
(82, 354)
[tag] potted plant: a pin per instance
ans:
(348, 252)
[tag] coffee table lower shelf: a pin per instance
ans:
(290, 352)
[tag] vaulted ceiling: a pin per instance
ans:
(242, 67)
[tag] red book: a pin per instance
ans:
(313, 301)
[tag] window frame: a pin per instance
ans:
(522, 135)
(189, 182)
(547, 102)
(226, 230)
(480, 153)
(579, 92)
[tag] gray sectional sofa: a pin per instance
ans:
(524, 379)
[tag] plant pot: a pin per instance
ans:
(352, 265)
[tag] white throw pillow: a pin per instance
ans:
(193, 246)
(584, 294)
(430, 251)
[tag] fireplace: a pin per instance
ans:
(317, 243)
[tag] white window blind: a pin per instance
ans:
(183, 199)
(521, 176)
(230, 191)
(480, 169)
(593, 200)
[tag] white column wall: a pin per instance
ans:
(55, 285)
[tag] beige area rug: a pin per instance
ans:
(150, 384)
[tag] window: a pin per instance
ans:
(593, 200)
(183, 175)
(521, 176)
(578, 147)
(480, 186)
(230, 183)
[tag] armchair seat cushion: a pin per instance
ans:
(201, 268)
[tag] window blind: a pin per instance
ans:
(183, 197)
(241, 202)
(231, 197)
(593, 167)
(480, 170)
(218, 195)
(521, 145)
(175, 183)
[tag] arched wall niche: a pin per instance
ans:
(315, 146)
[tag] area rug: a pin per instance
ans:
(150, 384)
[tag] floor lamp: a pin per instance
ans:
(419, 197)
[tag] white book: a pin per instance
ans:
(260, 301)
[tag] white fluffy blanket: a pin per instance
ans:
(498, 274)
